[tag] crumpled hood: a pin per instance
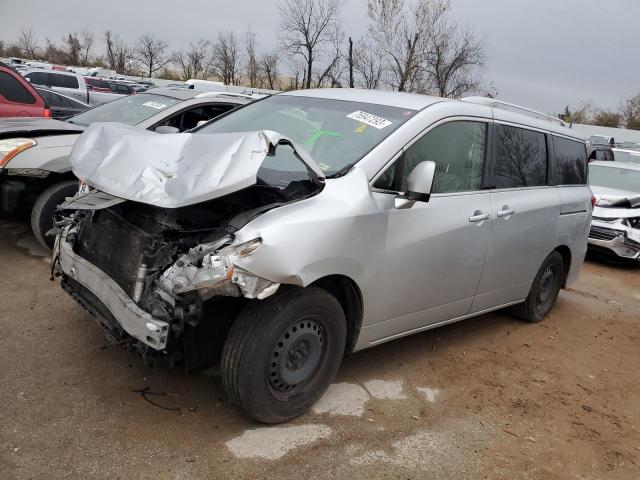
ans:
(615, 198)
(173, 170)
(33, 126)
(614, 203)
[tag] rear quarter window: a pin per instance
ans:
(64, 81)
(521, 158)
(12, 90)
(571, 161)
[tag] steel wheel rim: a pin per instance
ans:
(296, 356)
(546, 286)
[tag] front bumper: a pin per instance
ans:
(614, 241)
(133, 320)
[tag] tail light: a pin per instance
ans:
(47, 112)
(593, 201)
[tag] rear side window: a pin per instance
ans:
(64, 81)
(571, 161)
(39, 78)
(521, 158)
(13, 90)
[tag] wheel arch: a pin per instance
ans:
(349, 296)
(565, 253)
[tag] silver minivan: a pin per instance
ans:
(312, 224)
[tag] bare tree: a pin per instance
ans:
(331, 71)
(118, 55)
(251, 59)
(368, 62)
(402, 33)
(351, 81)
(195, 62)
(424, 49)
(54, 54)
(305, 27)
(581, 115)
(631, 113)
(73, 48)
(27, 43)
(226, 57)
(454, 59)
(86, 41)
(606, 118)
(151, 53)
(268, 68)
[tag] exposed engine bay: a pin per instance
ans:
(169, 269)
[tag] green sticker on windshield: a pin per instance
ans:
(320, 133)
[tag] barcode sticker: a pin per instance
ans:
(369, 119)
(156, 105)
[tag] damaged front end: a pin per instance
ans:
(159, 278)
(615, 226)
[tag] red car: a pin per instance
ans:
(97, 84)
(17, 97)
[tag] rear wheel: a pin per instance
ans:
(45, 207)
(544, 290)
(282, 353)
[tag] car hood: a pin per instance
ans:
(36, 126)
(614, 203)
(174, 170)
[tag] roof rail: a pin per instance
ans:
(492, 102)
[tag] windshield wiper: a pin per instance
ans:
(343, 171)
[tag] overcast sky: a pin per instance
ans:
(542, 53)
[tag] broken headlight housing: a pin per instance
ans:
(211, 272)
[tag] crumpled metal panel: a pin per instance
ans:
(173, 170)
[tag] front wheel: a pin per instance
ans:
(282, 353)
(544, 290)
(44, 208)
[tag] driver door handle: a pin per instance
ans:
(479, 217)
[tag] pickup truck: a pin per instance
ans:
(69, 83)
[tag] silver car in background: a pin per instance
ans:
(312, 224)
(615, 228)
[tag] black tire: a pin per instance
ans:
(282, 353)
(544, 290)
(44, 208)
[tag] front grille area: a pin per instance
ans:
(599, 233)
(113, 245)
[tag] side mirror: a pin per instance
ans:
(419, 184)
(201, 122)
(166, 129)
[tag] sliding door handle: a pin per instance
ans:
(505, 212)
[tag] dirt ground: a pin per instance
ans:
(486, 398)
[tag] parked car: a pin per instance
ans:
(17, 97)
(626, 155)
(35, 173)
(602, 140)
(121, 88)
(97, 84)
(316, 223)
(70, 84)
(615, 228)
(62, 106)
(599, 152)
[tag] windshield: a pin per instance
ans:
(627, 157)
(131, 110)
(336, 133)
(613, 177)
